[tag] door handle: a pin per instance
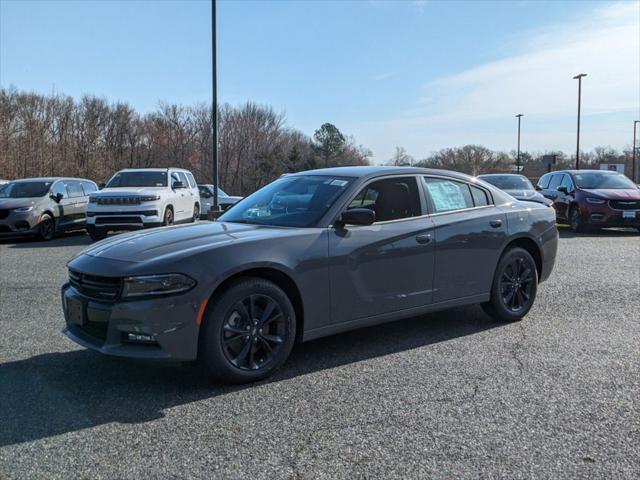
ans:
(496, 223)
(424, 238)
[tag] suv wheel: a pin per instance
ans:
(96, 234)
(196, 212)
(514, 287)
(576, 223)
(248, 332)
(47, 227)
(168, 217)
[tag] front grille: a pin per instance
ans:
(118, 200)
(118, 220)
(93, 286)
(625, 204)
(4, 214)
(148, 213)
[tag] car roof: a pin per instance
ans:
(153, 169)
(51, 179)
(593, 170)
(379, 170)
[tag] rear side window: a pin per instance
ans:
(448, 195)
(480, 197)
(74, 189)
(89, 187)
(556, 180)
(544, 180)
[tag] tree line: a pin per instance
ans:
(55, 135)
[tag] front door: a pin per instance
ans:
(387, 266)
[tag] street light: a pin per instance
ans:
(579, 78)
(519, 116)
(215, 208)
(633, 164)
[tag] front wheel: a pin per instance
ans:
(575, 221)
(47, 227)
(168, 217)
(97, 235)
(248, 332)
(514, 288)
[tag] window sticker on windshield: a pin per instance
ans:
(339, 183)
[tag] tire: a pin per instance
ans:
(196, 213)
(46, 227)
(233, 346)
(576, 223)
(97, 235)
(514, 288)
(168, 217)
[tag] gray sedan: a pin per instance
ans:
(309, 255)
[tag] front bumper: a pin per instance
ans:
(105, 326)
(18, 223)
(124, 219)
(605, 216)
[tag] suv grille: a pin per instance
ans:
(118, 200)
(4, 214)
(101, 288)
(625, 204)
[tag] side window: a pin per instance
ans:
(480, 197)
(192, 181)
(89, 187)
(448, 195)
(59, 188)
(556, 180)
(390, 199)
(74, 189)
(566, 181)
(204, 192)
(544, 181)
(183, 179)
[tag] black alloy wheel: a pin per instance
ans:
(247, 332)
(253, 332)
(515, 285)
(47, 227)
(168, 216)
(575, 221)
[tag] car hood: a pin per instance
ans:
(7, 203)
(614, 193)
(168, 242)
(126, 192)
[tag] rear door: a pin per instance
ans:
(469, 233)
(552, 193)
(64, 208)
(79, 205)
(387, 266)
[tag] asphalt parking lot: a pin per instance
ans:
(452, 394)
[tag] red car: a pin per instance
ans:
(592, 198)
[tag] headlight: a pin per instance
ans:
(149, 198)
(595, 200)
(23, 209)
(156, 285)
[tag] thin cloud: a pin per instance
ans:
(382, 76)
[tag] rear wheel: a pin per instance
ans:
(168, 217)
(46, 227)
(196, 213)
(514, 288)
(248, 332)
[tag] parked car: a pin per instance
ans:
(592, 198)
(44, 206)
(518, 186)
(206, 196)
(143, 198)
(369, 245)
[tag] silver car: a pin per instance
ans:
(44, 206)
(206, 196)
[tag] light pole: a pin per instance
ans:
(579, 78)
(519, 116)
(633, 164)
(215, 208)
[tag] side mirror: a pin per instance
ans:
(101, 186)
(357, 216)
(56, 197)
(563, 189)
(538, 188)
(177, 184)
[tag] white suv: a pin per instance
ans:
(140, 198)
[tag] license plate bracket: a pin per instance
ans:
(75, 311)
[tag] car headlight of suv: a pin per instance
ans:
(149, 198)
(595, 200)
(154, 285)
(23, 209)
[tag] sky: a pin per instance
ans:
(422, 75)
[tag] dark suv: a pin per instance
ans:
(592, 198)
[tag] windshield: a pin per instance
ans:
(603, 180)
(296, 201)
(138, 179)
(509, 182)
(25, 189)
(208, 190)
